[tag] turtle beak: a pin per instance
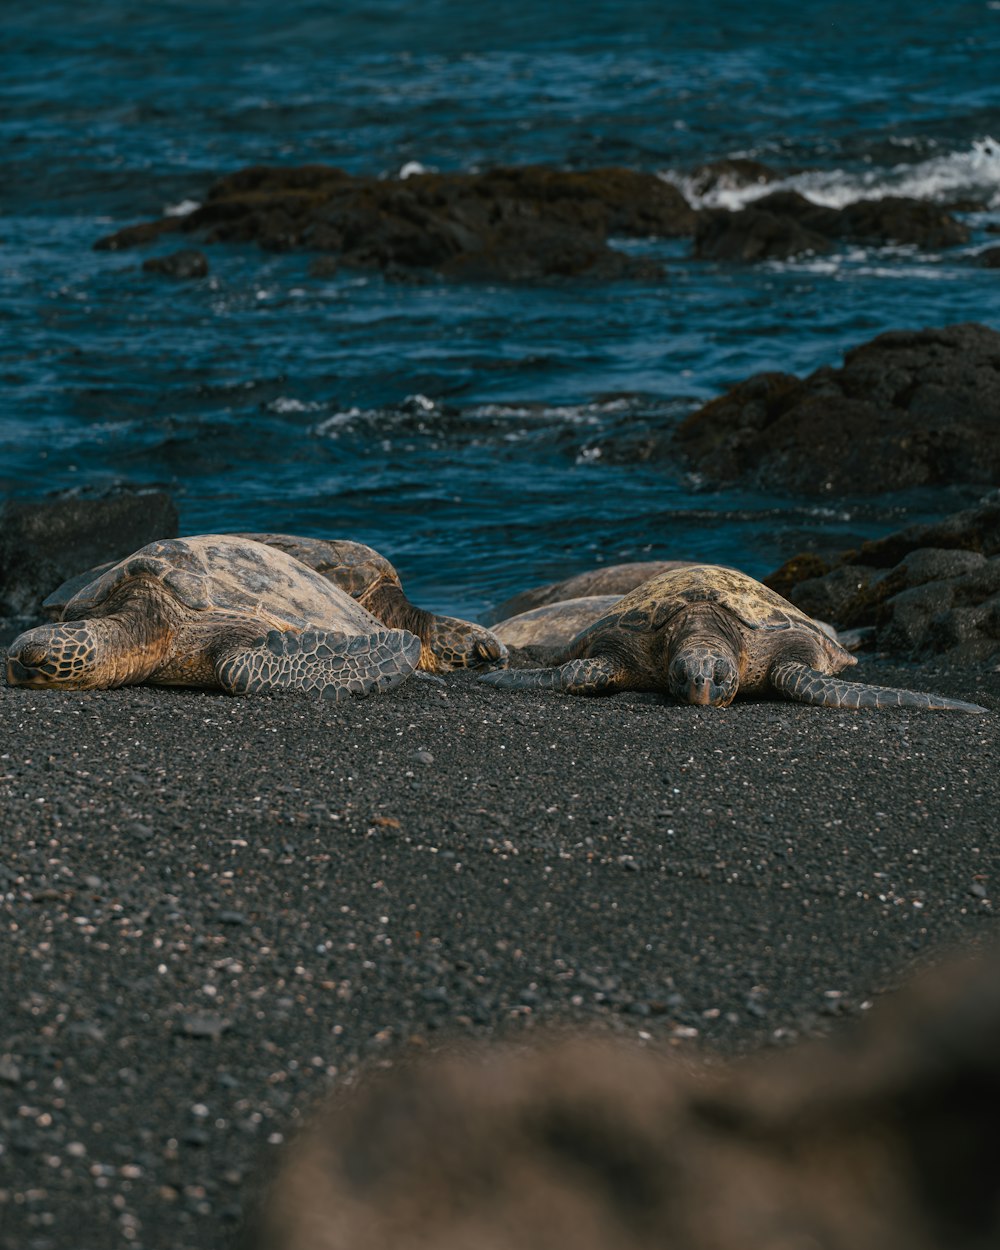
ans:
(702, 692)
(18, 675)
(29, 659)
(703, 679)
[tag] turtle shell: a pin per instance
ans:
(226, 573)
(608, 579)
(352, 566)
(553, 624)
(650, 606)
(355, 567)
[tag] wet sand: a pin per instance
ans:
(216, 908)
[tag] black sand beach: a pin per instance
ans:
(216, 908)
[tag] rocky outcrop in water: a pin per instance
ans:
(910, 408)
(524, 223)
(506, 224)
(187, 263)
(44, 542)
(924, 590)
(785, 224)
(878, 1139)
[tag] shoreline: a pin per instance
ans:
(217, 908)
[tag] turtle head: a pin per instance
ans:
(62, 655)
(449, 643)
(703, 675)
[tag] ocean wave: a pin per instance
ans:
(860, 264)
(570, 428)
(287, 404)
(972, 172)
(181, 209)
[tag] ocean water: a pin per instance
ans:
(477, 434)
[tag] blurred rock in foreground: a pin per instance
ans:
(880, 1138)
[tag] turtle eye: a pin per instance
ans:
(32, 656)
(723, 671)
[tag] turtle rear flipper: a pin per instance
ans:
(591, 675)
(802, 684)
(320, 662)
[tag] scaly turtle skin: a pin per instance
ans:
(215, 611)
(609, 579)
(704, 634)
(446, 642)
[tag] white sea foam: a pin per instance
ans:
(412, 168)
(864, 264)
(331, 426)
(568, 414)
(285, 403)
(973, 172)
(182, 209)
(509, 422)
(419, 402)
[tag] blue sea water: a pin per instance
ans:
(468, 431)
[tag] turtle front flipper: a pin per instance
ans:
(591, 675)
(803, 684)
(320, 662)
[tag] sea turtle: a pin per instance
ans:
(215, 611)
(608, 579)
(553, 624)
(703, 634)
(557, 624)
(446, 642)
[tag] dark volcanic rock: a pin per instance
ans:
(989, 259)
(44, 542)
(785, 224)
(188, 263)
(926, 589)
(136, 236)
(513, 223)
(877, 1139)
(909, 408)
(765, 230)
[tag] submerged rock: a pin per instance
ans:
(925, 590)
(508, 224)
(188, 263)
(910, 408)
